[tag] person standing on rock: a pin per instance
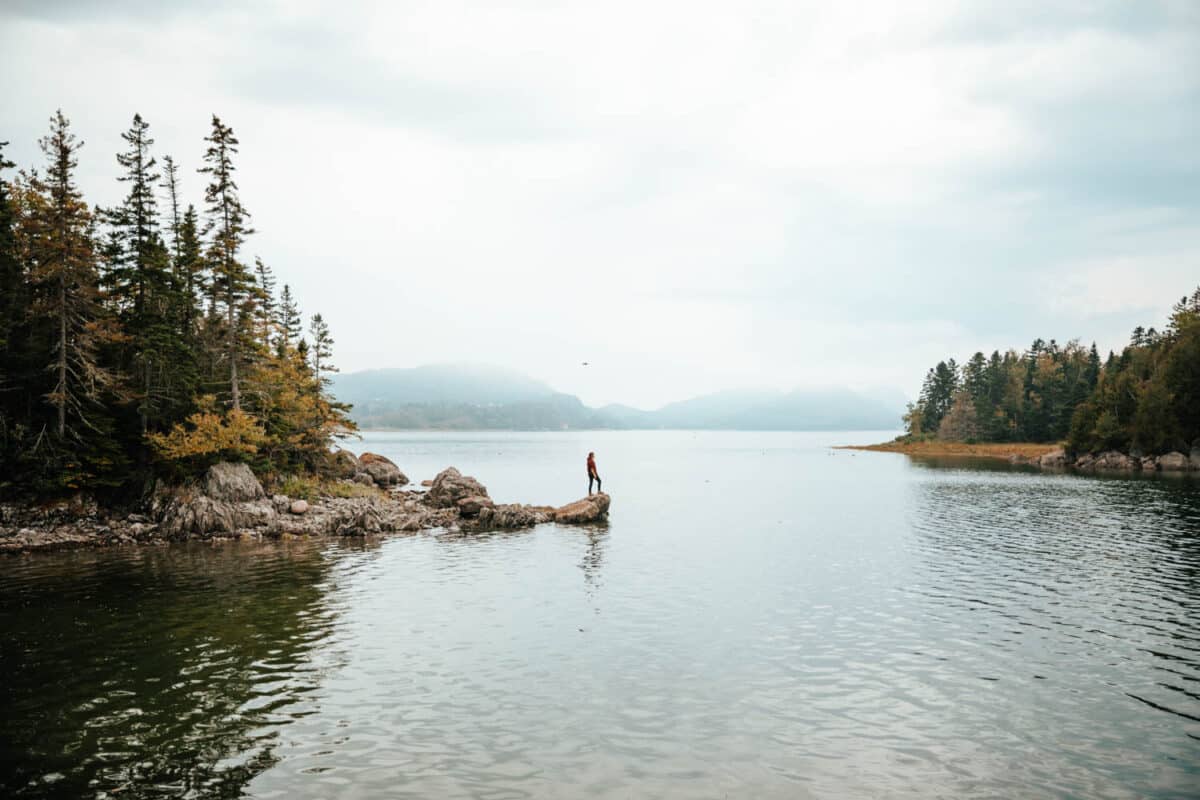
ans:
(593, 475)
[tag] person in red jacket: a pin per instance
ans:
(593, 475)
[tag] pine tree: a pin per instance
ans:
(147, 292)
(189, 268)
(228, 226)
(266, 299)
(12, 279)
(64, 274)
(171, 173)
(322, 348)
(289, 319)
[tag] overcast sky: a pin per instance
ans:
(689, 197)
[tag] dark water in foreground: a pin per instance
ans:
(759, 619)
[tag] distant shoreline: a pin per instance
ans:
(1001, 450)
(362, 430)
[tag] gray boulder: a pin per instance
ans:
(471, 506)
(299, 507)
(364, 479)
(1055, 458)
(450, 486)
(232, 483)
(1114, 460)
(345, 465)
(382, 470)
(592, 508)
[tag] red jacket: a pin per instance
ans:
(592, 466)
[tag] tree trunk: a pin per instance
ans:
(235, 395)
(62, 357)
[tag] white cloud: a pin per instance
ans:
(688, 196)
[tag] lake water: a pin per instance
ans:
(761, 617)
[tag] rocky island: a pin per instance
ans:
(228, 502)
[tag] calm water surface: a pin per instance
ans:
(759, 618)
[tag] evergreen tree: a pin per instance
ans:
(147, 293)
(13, 295)
(171, 173)
(322, 348)
(228, 226)
(66, 298)
(289, 319)
(189, 269)
(266, 299)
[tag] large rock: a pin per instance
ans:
(450, 486)
(381, 470)
(1055, 458)
(1173, 462)
(514, 516)
(232, 483)
(471, 506)
(345, 465)
(592, 508)
(1115, 460)
(183, 513)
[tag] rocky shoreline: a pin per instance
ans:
(1046, 456)
(228, 502)
(1115, 461)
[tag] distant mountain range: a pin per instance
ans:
(467, 397)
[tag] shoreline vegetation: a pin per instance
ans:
(141, 344)
(1063, 406)
(1001, 450)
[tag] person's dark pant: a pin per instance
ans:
(599, 485)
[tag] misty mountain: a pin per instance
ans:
(466, 397)
(460, 397)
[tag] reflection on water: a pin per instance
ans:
(759, 618)
(156, 671)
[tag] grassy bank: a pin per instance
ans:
(1003, 450)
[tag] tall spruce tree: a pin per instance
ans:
(322, 349)
(228, 227)
(289, 319)
(189, 269)
(66, 286)
(146, 291)
(171, 175)
(12, 279)
(266, 299)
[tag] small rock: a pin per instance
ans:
(427, 483)
(299, 507)
(382, 470)
(364, 479)
(1173, 462)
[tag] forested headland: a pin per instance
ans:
(1144, 400)
(141, 340)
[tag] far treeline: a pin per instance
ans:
(137, 341)
(1145, 400)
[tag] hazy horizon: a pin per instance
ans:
(688, 200)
